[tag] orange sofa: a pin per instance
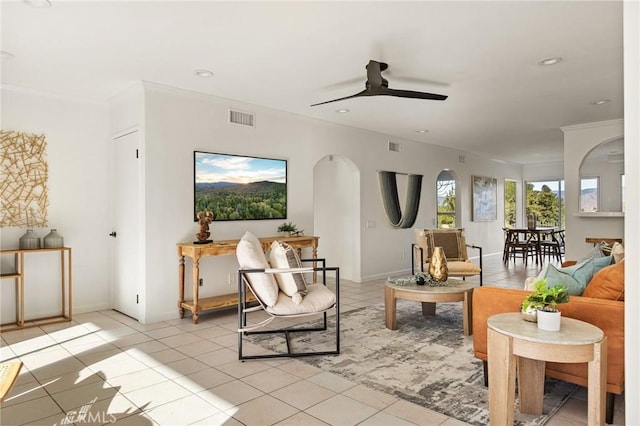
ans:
(608, 315)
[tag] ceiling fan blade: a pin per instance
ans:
(363, 93)
(410, 94)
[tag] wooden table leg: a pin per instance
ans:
(467, 309)
(180, 284)
(390, 308)
(196, 280)
(502, 378)
(531, 385)
(428, 309)
(597, 384)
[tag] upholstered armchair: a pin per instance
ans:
(454, 244)
(277, 289)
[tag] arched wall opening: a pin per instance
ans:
(336, 214)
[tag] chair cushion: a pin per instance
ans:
(608, 283)
(319, 298)
(457, 267)
(282, 255)
(250, 256)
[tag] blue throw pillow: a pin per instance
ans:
(575, 278)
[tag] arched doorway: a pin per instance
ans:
(336, 213)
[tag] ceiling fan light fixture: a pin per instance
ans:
(342, 110)
(422, 131)
(40, 4)
(203, 73)
(550, 61)
(601, 102)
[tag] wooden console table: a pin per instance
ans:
(18, 275)
(220, 248)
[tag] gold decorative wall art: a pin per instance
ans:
(23, 180)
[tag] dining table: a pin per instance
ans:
(532, 235)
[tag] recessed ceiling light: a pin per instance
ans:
(421, 131)
(342, 110)
(7, 55)
(601, 102)
(550, 61)
(41, 4)
(204, 73)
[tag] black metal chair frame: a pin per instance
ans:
(246, 306)
(415, 248)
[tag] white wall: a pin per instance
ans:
(632, 207)
(578, 141)
(78, 159)
(179, 122)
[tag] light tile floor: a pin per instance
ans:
(105, 367)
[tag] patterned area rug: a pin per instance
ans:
(427, 361)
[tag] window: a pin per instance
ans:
(545, 199)
(446, 193)
(590, 194)
(509, 203)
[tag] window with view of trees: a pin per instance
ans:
(590, 194)
(446, 193)
(509, 203)
(545, 199)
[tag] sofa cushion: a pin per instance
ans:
(282, 255)
(575, 278)
(608, 283)
(250, 256)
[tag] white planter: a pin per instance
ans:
(549, 321)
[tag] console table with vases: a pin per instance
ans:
(195, 252)
(513, 341)
(17, 273)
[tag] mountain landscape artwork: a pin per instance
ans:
(236, 187)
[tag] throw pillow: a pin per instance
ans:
(250, 256)
(575, 278)
(594, 253)
(608, 283)
(617, 251)
(294, 285)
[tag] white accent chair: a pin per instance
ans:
(271, 288)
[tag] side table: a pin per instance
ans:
(512, 340)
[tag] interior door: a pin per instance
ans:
(126, 224)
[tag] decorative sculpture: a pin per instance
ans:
(204, 219)
(438, 265)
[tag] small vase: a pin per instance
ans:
(53, 240)
(549, 321)
(438, 265)
(29, 241)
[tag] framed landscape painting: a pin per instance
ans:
(239, 187)
(485, 198)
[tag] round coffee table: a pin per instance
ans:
(455, 291)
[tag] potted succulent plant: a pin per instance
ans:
(543, 303)
(289, 229)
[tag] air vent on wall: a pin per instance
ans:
(242, 118)
(393, 146)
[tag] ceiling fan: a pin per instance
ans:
(376, 85)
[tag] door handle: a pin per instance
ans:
(113, 234)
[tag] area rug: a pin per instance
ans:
(427, 361)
